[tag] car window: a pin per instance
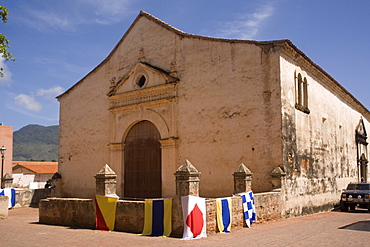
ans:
(351, 187)
(363, 187)
(358, 187)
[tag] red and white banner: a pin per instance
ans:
(194, 212)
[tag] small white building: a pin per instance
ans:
(32, 175)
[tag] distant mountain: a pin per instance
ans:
(36, 142)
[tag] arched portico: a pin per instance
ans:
(122, 126)
(142, 163)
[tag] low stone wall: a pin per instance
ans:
(4, 202)
(29, 197)
(238, 214)
(130, 214)
(67, 212)
(269, 206)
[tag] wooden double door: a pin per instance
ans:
(142, 162)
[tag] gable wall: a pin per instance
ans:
(86, 125)
(227, 109)
(227, 112)
(317, 170)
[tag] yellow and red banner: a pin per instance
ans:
(105, 212)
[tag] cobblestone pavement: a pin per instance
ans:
(21, 228)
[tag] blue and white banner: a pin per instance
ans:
(10, 193)
(249, 208)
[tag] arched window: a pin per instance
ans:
(301, 88)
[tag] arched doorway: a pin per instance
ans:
(142, 162)
(361, 142)
(363, 167)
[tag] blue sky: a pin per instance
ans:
(56, 43)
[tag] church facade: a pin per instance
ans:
(163, 96)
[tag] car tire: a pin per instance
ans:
(343, 207)
(352, 207)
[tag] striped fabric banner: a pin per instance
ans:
(10, 193)
(158, 217)
(105, 212)
(224, 214)
(249, 208)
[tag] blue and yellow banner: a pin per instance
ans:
(105, 212)
(224, 214)
(158, 217)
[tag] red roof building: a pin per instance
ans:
(33, 174)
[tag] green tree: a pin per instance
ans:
(4, 42)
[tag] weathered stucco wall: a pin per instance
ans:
(138, 45)
(83, 135)
(222, 99)
(320, 156)
(234, 102)
(226, 111)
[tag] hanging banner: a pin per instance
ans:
(10, 193)
(194, 212)
(105, 212)
(224, 214)
(158, 217)
(249, 208)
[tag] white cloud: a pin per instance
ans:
(35, 101)
(7, 78)
(246, 27)
(50, 93)
(68, 15)
(43, 21)
(108, 11)
(28, 102)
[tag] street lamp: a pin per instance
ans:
(2, 151)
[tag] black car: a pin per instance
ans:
(356, 194)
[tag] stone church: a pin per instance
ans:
(163, 96)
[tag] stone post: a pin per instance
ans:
(4, 203)
(8, 181)
(187, 183)
(277, 178)
(187, 180)
(242, 179)
(106, 182)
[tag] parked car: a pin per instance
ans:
(356, 194)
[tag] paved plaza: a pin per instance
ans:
(335, 228)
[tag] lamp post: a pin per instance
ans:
(2, 151)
